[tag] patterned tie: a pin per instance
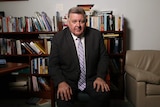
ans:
(81, 55)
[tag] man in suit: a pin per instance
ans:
(65, 66)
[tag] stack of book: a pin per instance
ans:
(18, 83)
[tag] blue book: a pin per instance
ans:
(105, 22)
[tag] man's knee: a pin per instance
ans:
(100, 95)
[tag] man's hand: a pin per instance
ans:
(100, 84)
(64, 91)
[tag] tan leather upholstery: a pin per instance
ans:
(142, 79)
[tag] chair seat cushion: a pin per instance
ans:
(152, 89)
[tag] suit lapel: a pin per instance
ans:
(87, 48)
(72, 47)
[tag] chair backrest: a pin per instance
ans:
(148, 60)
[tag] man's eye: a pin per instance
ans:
(74, 21)
(82, 21)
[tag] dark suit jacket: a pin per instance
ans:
(63, 59)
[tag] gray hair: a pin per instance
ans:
(77, 10)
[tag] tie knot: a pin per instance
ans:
(79, 39)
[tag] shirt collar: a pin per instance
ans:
(75, 37)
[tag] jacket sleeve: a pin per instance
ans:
(54, 67)
(103, 61)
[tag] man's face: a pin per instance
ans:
(76, 23)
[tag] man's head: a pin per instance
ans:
(76, 20)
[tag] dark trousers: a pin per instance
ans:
(97, 99)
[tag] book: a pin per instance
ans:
(107, 12)
(55, 24)
(108, 45)
(49, 46)
(17, 21)
(33, 100)
(105, 43)
(95, 23)
(43, 101)
(3, 44)
(85, 6)
(4, 24)
(27, 48)
(46, 45)
(40, 65)
(9, 23)
(34, 47)
(122, 23)
(88, 23)
(110, 35)
(23, 23)
(101, 18)
(3, 61)
(36, 24)
(111, 25)
(47, 21)
(39, 18)
(40, 47)
(46, 63)
(44, 84)
(105, 21)
(1, 26)
(117, 45)
(18, 45)
(18, 84)
(35, 84)
(13, 19)
(34, 63)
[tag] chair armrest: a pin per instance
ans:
(142, 75)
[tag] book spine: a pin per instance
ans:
(44, 18)
(39, 18)
(26, 47)
(44, 83)
(40, 47)
(36, 24)
(35, 84)
(4, 24)
(33, 46)
(19, 49)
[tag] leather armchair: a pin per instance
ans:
(142, 78)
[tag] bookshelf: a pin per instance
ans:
(27, 58)
(115, 44)
(115, 41)
(113, 28)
